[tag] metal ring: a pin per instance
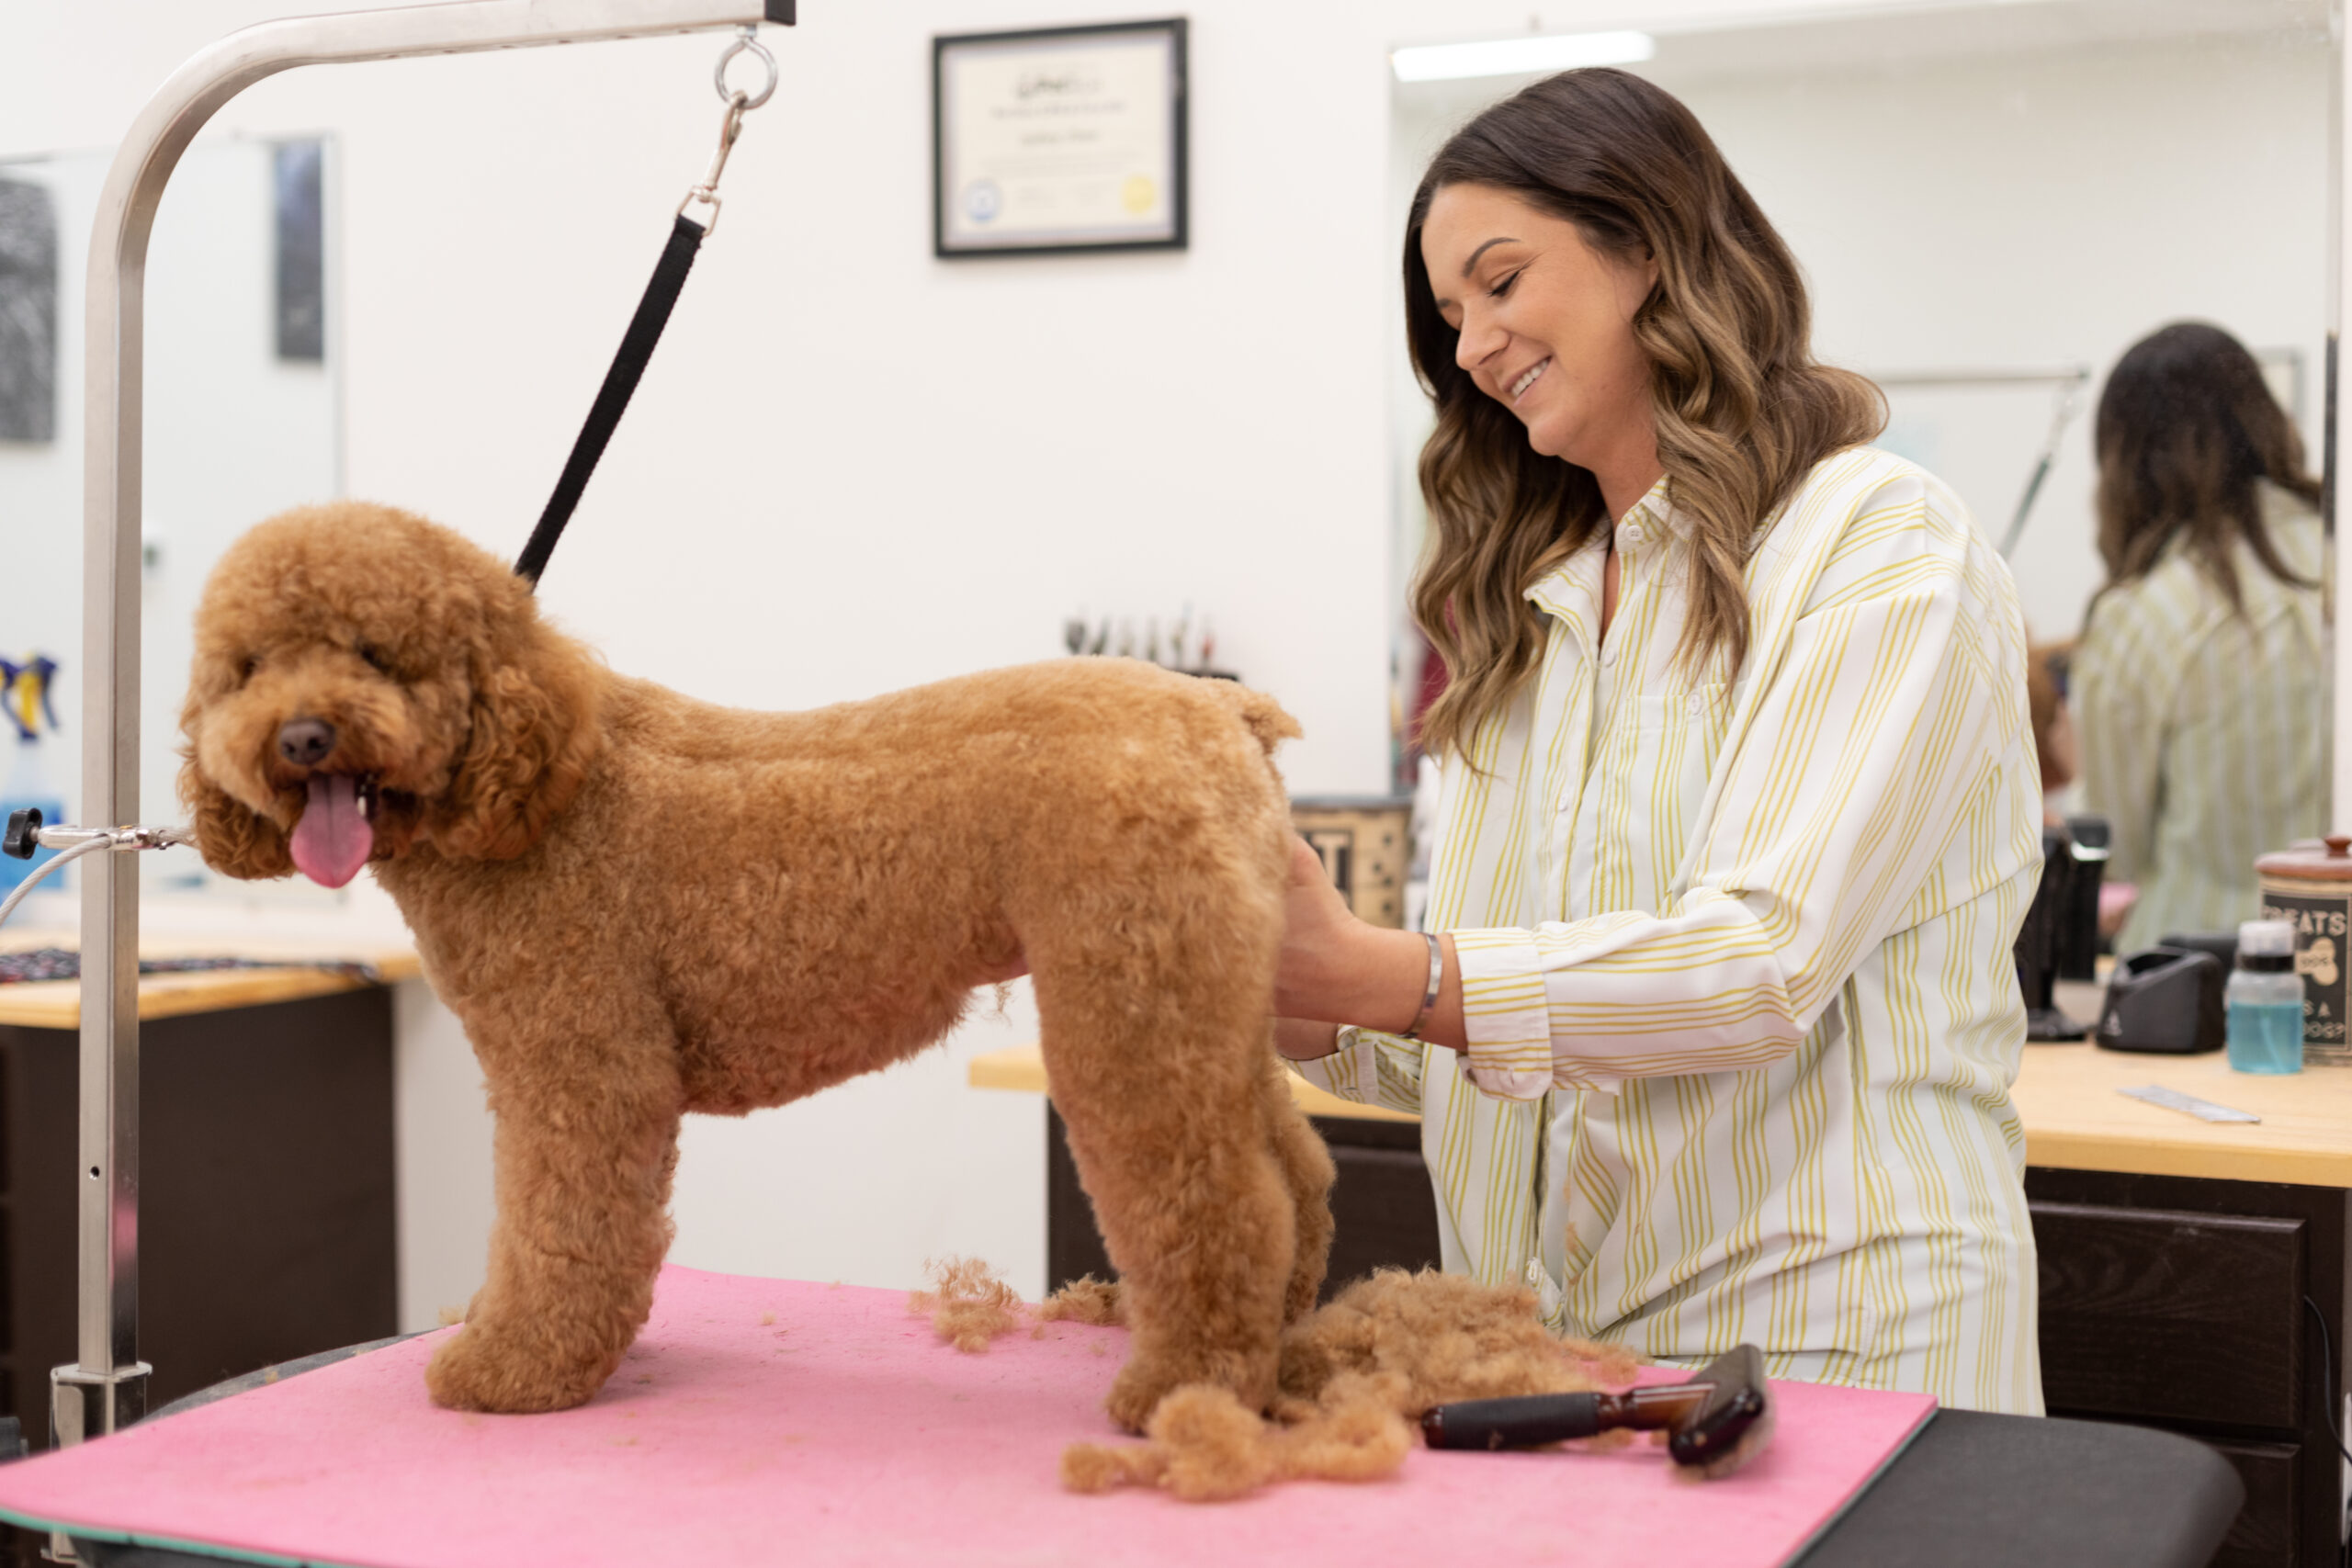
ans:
(745, 40)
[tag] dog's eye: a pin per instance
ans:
(377, 659)
(245, 668)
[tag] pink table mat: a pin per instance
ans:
(765, 1420)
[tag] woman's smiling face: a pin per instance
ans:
(1545, 323)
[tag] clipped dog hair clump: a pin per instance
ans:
(1085, 1299)
(1204, 1448)
(968, 1303)
(1448, 1337)
(1354, 1374)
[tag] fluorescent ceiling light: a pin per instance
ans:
(1521, 56)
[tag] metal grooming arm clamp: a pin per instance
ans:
(106, 1388)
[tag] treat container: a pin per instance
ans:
(2311, 886)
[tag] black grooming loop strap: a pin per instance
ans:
(654, 311)
(620, 381)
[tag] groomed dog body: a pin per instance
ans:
(640, 905)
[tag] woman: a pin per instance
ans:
(2201, 682)
(1740, 808)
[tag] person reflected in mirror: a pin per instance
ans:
(2202, 682)
(1740, 808)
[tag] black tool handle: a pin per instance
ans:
(1515, 1423)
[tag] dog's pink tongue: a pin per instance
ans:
(332, 841)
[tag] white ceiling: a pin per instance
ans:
(1897, 36)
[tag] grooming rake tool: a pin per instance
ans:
(1715, 1423)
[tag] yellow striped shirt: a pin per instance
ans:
(1742, 1011)
(2206, 734)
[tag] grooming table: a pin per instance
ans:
(757, 1416)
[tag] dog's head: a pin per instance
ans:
(365, 681)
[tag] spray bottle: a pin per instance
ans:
(25, 693)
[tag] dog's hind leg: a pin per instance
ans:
(585, 1144)
(1152, 1004)
(1192, 1205)
(1308, 1172)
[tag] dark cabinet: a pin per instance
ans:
(2214, 1308)
(1383, 1213)
(265, 1223)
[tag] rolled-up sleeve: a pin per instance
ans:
(1867, 737)
(1371, 1068)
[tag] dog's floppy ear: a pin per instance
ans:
(234, 839)
(534, 733)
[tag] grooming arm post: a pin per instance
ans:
(106, 1386)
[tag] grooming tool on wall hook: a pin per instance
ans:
(1715, 1423)
(1187, 645)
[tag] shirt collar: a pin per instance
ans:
(1572, 589)
(1654, 513)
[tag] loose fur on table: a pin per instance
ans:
(968, 1305)
(1353, 1375)
(1204, 1448)
(1085, 1299)
(639, 905)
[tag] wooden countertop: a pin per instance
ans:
(57, 1004)
(1022, 1067)
(2074, 1119)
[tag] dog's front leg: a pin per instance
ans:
(587, 1138)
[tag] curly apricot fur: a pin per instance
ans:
(639, 905)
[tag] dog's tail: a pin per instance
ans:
(1262, 714)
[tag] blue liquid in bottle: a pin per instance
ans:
(2266, 1037)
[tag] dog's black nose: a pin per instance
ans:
(305, 742)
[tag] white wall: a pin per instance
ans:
(853, 467)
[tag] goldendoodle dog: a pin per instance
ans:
(640, 905)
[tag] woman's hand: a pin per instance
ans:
(1319, 938)
(1340, 969)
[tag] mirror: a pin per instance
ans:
(242, 419)
(1992, 202)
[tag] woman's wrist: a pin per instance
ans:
(1388, 979)
(1304, 1039)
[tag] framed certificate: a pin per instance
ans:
(1064, 138)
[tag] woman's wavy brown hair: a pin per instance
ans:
(1742, 409)
(2186, 426)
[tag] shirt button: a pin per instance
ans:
(1609, 653)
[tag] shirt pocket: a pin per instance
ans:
(1662, 711)
(1682, 735)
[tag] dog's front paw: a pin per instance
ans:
(480, 1369)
